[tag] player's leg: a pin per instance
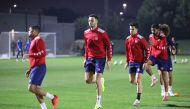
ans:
(170, 91)
(89, 68)
(98, 77)
(89, 77)
(132, 73)
(166, 84)
(139, 89)
(40, 93)
(170, 69)
(41, 101)
(35, 80)
(163, 66)
(132, 78)
(22, 52)
(151, 62)
(18, 53)
(161, 83)
(99, 69)
(139, 72)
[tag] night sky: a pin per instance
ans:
(81, 7)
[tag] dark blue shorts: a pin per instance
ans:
(153, 59)
(37, 75)
(162, 65)
(169, 66)
(95, 65)
(136, 67)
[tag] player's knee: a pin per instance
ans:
(32, 89)
(132, 81)
(87, 81)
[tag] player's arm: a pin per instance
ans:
(41, 51)
(27, 73)
(108, 49)
(145, 48)
(86, 51)
(172, 45)
(108, 46)
(127, 54)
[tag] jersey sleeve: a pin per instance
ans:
(85, 44)
(145, 48)
(127, 51)
(108, 46)
(40, 51)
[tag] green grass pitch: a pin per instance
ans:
(65, 77)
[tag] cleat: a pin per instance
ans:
(171, 93)
(136, 102)
(165, 98)
(17, 60)
(154, 81)
(97, 106)
(54, 102)
(103, 86)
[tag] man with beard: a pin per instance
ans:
(37, 70)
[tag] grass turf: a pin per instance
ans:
(65, 77)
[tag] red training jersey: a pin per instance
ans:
(37, 52)
(97, 44)
(136, 48)
(158, 46)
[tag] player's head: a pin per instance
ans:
(34, 31)
(133, 28)
(155, 29)
(165, 29)
(93, 21)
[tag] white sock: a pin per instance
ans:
(98, 100)
(153, 77)
(162, 87)
(166, 94)
(170, 88)
(50, 96)
(43, 106)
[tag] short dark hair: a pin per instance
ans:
(135, 24)
(155, 26)
(37, 28)
(93, 15)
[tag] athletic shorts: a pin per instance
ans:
(37, 74)
(136, 67)
(169, 66)
(95, 65)
(153, 59)
(162, 65)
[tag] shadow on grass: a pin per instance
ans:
(173, 105)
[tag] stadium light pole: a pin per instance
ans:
(12, 6)
(124, 6)
(120, 13)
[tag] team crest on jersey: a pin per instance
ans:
(136, 41)
(96, 38)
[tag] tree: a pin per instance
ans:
(182, 17)
(115, 28)
(81, 24)
(164, 11)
